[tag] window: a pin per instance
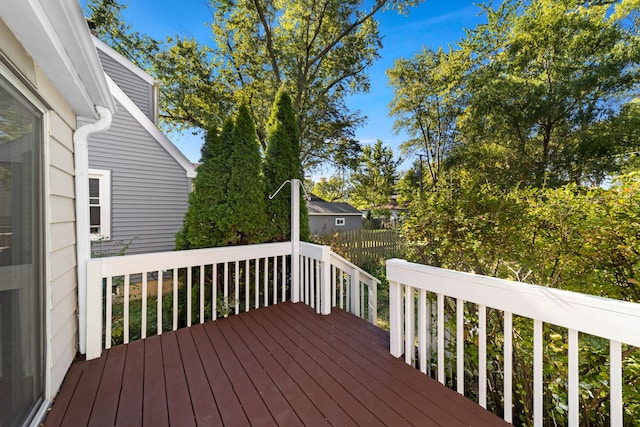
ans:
(22, 283)
(339, 222)
(100, 204)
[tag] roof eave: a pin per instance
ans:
(56, 35)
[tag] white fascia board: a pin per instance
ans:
(56, 35)
(116, 56)
(151, 128)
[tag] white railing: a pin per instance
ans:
(411, 284)
(361, 300)
(153, 293)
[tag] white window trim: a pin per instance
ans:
(104, 177)
(340, 222)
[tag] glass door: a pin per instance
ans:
(21, 259)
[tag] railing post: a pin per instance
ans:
(94, 309)
(396, 321)
(295, 240)
(355, 291)
(325, 279)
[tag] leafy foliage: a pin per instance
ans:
(192, 95)
(246, 195)
(205, 223)
(574, 238)
(282, 162)
(541, 103)
(540, 95)
(318, 51)
(332, 189)
(428, 98)
(375, 179)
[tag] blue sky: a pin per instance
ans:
(432, 24)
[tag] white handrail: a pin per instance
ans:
(247, 276)
(617, 321)
(604, 317)
(344, 281)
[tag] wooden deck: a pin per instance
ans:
(280, 365)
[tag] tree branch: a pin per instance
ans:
(379, 4)
(269, 36)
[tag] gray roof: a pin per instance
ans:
(317, 206)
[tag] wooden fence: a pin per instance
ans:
(364, 246)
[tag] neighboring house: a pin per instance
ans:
(139, 180)
(328, 217)
(393, 211)
(50, 75)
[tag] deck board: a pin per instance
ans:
(333, 413)
(132, 390)
(178, 399)
(220, 384)
(154, 406)
(397, 394)
(279, 365)
(105, 406)
(448, 399)
(202, 399)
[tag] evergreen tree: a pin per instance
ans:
(204, 224)
(245, 213)
(282, 162)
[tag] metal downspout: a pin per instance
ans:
(83, 238)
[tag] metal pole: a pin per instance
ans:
(295, 240)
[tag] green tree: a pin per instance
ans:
(282, 162)
(192, 95)
(246, 192)
(546, 74)
(332, 189)
(205, 220)
(106, 16)
(374, 182)
(570, 237)
(319, 51)
(428, 98)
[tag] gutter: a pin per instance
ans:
(83, 237)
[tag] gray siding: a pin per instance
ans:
(139, 90)
(149, 189)
(321, 224)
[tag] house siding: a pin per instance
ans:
(149, 189)
(59, 205)
(62, 247)
(139, 90)
(321, 224)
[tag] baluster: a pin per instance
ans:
(537, 373)
(159, 303)
(508, 366)
(482, 355)
(573, 379)
(109, 313)
(460, 345)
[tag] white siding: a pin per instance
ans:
(60, 260)
(62, 241)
